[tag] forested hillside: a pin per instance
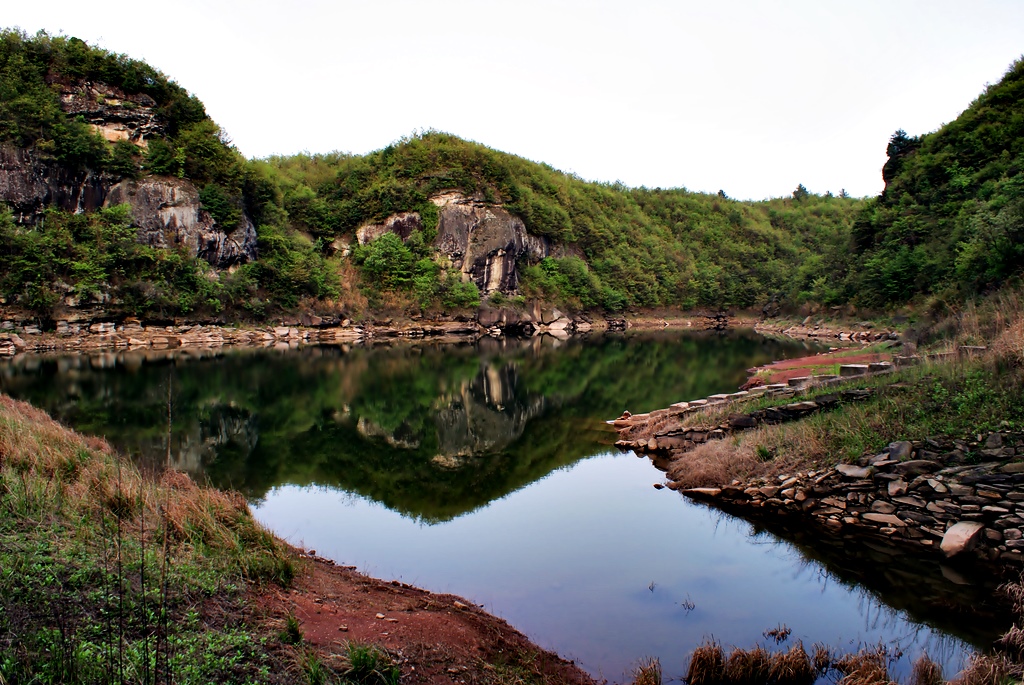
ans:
(949, 223)
(628, 247)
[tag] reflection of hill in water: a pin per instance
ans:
(430, 431)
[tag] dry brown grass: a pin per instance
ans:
(719, 462)
(823, 658)
(647, 672)
(792, 667)
(713, 464)
(707, 665)
(990, 670)
(748, 666)
(1009, 344)
(926, 672)
(867, 667)
(91, 481)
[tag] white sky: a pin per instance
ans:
(749, 96)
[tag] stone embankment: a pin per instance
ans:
(97, 330)
(18, 336)
(133, 334)
(669, 430)
(964, 498)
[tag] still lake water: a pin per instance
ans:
(486, 470)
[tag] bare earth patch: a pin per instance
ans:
(435, 638)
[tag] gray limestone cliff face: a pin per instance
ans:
(169, 215)
(484, 241)
(30, 185)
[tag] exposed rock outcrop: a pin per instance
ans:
(483, 240)
(113, 113)
(402, 224)
(169, 215)
(30, 185)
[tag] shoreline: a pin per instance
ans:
(19, 336)
(293, 611)
(959, 499)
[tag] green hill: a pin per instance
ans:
(949, 223)
(625, 247)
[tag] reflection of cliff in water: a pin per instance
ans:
(484, 415)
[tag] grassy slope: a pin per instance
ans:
(107, 577)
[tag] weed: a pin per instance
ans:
(792, 667)
(108, 578)
(780, 633)
(926, 672)
(291, 635)
(369, 665)
(747, 666)
(707, 665)
(314, 669)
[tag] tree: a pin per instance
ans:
(388, 262)
(801, 193)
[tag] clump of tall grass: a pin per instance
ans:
(709, 665)
(866, 667)
(369, 665)
(926, 672)
(647, 672)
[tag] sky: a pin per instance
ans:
(747, 96)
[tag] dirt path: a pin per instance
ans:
(435, 638)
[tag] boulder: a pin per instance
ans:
(916, 467)
(961, 537)
(851, 471)
(900, 451)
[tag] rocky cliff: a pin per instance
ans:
(113, 113)
(29, 185)
(169, 214)
(483, 240)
